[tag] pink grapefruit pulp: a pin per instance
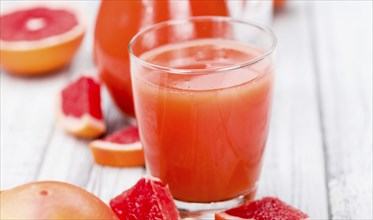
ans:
(148, 199)
(268, 208)
(79, 109)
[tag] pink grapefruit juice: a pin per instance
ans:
(204, 131)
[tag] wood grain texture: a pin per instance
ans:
(27, 122)
(68, 158)
(294, 165)
(343, 52)
(33, 147)
(107, 182)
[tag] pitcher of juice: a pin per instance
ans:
(119, 21)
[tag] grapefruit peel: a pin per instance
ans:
(108, 153)
(52, 200)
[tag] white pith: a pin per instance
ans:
(231, 217)
(78, 30)
(116, 146)
(149, 177)
(76, 124)
(73, 124)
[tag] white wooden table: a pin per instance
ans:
(319, 153)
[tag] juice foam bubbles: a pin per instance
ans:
(204, 129)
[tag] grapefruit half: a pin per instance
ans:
(121, 149)
(36, 40)
(79, 108)
(149, 198)
(52, 200)
(268, 208)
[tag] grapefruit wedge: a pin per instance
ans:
(79, 108)
(120, 149)
(268, 208)
(148, 199)
(36, 40)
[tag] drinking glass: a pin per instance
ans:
(202, 89)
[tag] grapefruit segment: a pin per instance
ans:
(268, 208)
(39, 39)
(79, 108)
(148, 199)
(120, 149)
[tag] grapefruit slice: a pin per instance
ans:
(120, 149)
(148, 199)
(79, 108)
(268, 208)
(35, 40)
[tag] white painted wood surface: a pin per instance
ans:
(319, 152)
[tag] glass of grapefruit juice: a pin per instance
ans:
(202, 89)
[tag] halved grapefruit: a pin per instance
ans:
(79, 108)
(268, 208)
(36, 40)
(148, 199)
(120, 149)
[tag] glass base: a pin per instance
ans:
(207, 210)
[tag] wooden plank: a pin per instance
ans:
(293, 168)
(343, 51)
(32, 146)
(68, 158)
(27, 121)
(108, 182)
(105, 182)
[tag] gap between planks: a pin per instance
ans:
(312, 24)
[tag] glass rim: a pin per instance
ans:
(249, 62)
